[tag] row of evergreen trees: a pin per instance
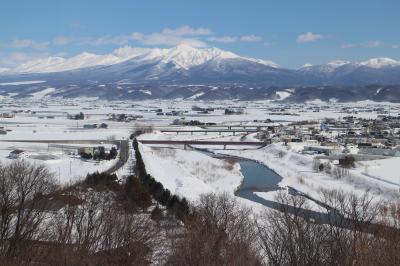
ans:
(178, 206)
(104, 179)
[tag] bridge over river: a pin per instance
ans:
(204, 143)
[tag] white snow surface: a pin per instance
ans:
(42, 93)
(16, 83)
(283, 94)
(333, 65)
(195, 96)
(380, 62)
(146, 92)
(190, 173)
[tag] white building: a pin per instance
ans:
(395, 152)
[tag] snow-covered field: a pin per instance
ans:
(66, 168)
(189, 173)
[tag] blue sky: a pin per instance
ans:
(291, 33)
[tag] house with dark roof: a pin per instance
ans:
(16, 154)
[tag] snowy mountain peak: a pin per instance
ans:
(186, 56)
(325, 68)
(263, 62)
(39, 65)
(182, 56)
(380, 62)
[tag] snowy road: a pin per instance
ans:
(123, 157)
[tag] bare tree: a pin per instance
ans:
(341, 236)
(220, 232)
(340, 172)
(22, 186)
(105, 233)
(287, 238)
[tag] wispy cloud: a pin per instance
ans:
(105, 40)
(62, 40)
(16, 58)
(371, 43)
(171, 37)
(251, 38)
(75, 25)
(167, 37)
(158, 38)
(25, 43)
(187, 31)
(348, 45)
(309, 37)
(367, 44)
(223, 39)
(197, 37)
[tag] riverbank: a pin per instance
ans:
(297, 171)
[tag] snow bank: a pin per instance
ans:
(190, 173)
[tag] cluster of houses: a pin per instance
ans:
(79, 116)
(183, 122)
(7, 115)
(171, 113)
(92, 126)
(89, 151)
(123, 117)
(372, 137)
(232, 111)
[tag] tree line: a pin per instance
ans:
(178, 206)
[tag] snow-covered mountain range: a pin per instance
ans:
(183, 56)
(128, 71)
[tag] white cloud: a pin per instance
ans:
(196, 37)
(158, 38)
(251, 38)
(224, 39)
(62, 40)
(187, 31)
(172, 37)
(371, 43)
(395, 46)
(167, 37)
(309, 37)
(15, 58)
(367, 44)
(107, 40)
(25, 43)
